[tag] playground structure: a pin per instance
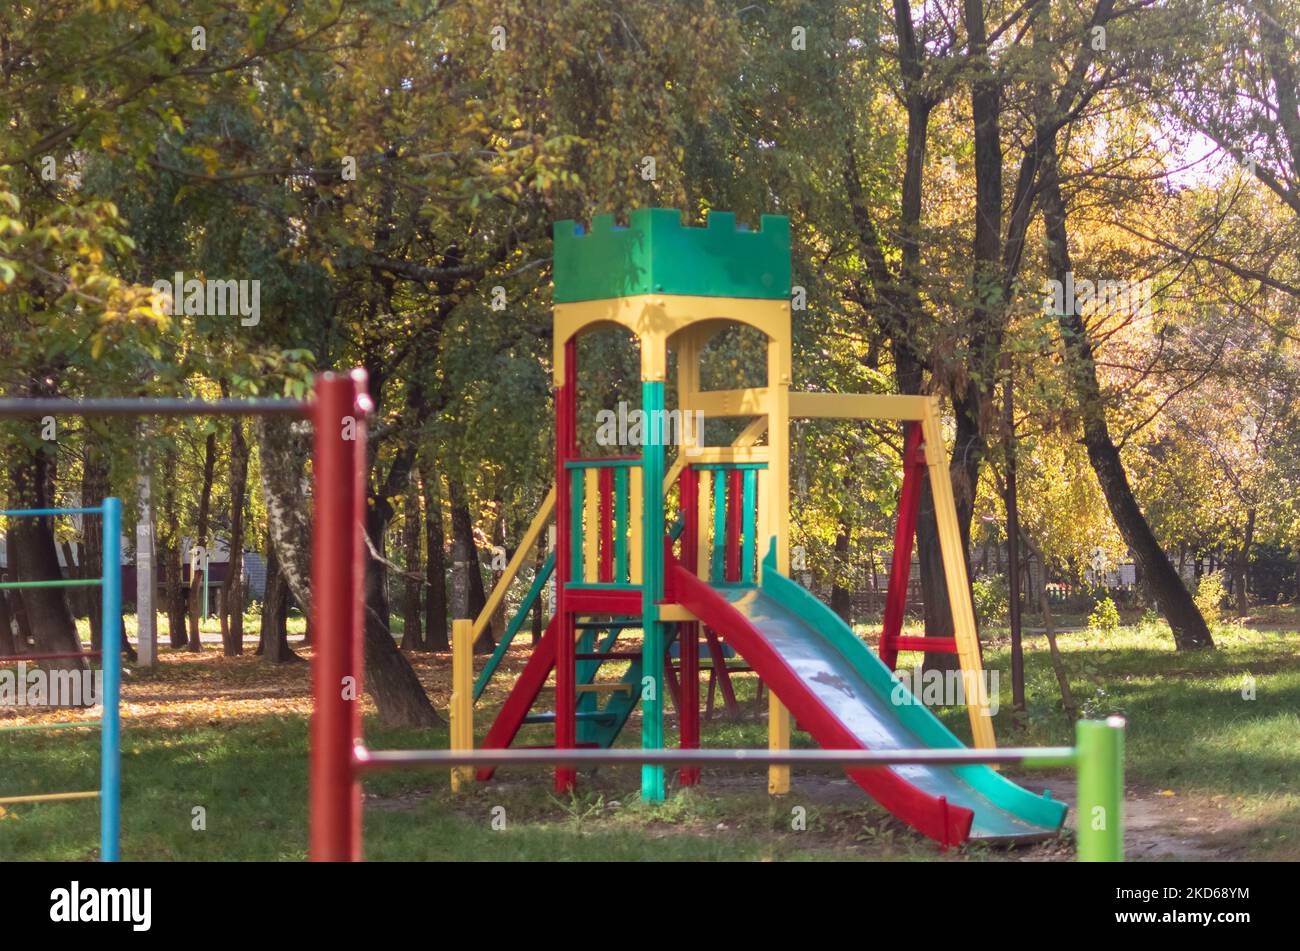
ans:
(619, 567)
(109, 582)
(722, 566)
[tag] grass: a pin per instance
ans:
(215, 754)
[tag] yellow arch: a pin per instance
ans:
(654, 318)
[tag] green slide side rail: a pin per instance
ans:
(516, 622)
(916, 717)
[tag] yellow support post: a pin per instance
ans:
(778, 467)
(49, 797)
(954, 573)
(591, 528)
(512, 569)
(704, 499)
(635, 528)
(462, 698)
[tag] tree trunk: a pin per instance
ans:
(205, 503)
(32, 547)
(233, 603)
(1163, 583)
(436, 637)
(146, 575)
(284, 447)
(170, 568)
(390, 679)
(16, 605)
(1239, 582)
(539, 609)
(467, 571)
(412, 635)
(841, 597)
(94, 487)
(8, 642)
(1058, 663)
(274, 643)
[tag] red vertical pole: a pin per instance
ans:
(566, 448)
(335, 796)
(735, 502)
(904, 532)
(688, 636)
(606, 563)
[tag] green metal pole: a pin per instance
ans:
(1100, 824)
(652, 589)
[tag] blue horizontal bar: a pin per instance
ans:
(98, 510)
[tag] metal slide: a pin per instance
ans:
(840, 692)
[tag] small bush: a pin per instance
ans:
(990, 594)
(1104, 617)
(1211, 593)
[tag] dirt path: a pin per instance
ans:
(1163, 828)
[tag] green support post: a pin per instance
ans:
(620, 525)
(717, 561)
(749, 528)
(652, 590)
(578, 488)
(1100, 823)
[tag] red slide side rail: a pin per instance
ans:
(522, 696)
(930, 815)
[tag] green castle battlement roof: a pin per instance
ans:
(655, 254)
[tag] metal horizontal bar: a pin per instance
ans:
(53, 655)
(97, 510)
(49, 797)
(49, 726)
(37, 407)
(58, 583)
(367, 760)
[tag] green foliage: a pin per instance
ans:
(990, 593)
(1212, 595)
(1104, 618)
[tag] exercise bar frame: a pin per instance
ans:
(109, 723)
(109, 793)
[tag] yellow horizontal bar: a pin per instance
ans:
(858, 406)
(674, 612)
(49, 797)
(747, 402)
(720, 454)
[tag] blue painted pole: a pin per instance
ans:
(110, 756)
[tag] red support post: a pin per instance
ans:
(566, 448)
(904, 533)
(735, 502)
(606, 562)
(338, 578)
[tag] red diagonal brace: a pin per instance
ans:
(904, 533)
